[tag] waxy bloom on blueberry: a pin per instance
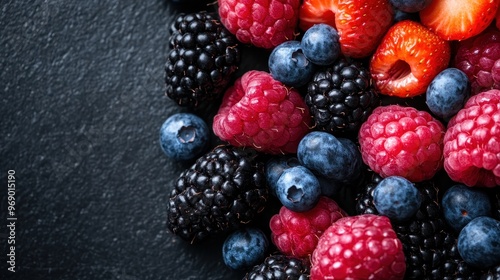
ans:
(479, 242)
(244, 248)
(396, 198)
(184, 136)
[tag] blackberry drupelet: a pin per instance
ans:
(202, 58)
(222, 190)
(341, 97)
(279, 267)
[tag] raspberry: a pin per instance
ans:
(296, 234)
(402, 141)
(472, 142)
(479, 58)
(263, 113)
(359, 247)
(264, 24)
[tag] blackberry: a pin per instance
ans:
(202, 58)
(492, 274)
(222, 190)
(423, 236)
(454, 267)
(430, 245)
(279, 267)
(341, 97)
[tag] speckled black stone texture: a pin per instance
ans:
(81, 104)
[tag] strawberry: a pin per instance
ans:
(407, 59)
(317, 11)
(459, 19)
(497, 18)
(361, 24)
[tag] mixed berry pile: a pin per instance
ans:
(374, 129)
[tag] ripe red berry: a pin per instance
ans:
(472, 142)
(458, 19)
(296, 234)
(361, 24)
(264, 24)
(261, 112)
(479, 59)
(407, 59)
(359, 247)
(402, 141)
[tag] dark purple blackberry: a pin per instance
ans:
(341, 97)
(454, 266)
(423, 237)
(202, 58)
(492, 274)
(429, 244)
(279, 267)
(222, 190)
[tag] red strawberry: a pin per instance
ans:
(497, 18)
(317, 11)
(407, 59)
(361, 24)
(459, 19)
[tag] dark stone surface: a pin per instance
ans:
(82, 100)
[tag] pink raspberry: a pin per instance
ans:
(263, 23)
(261, 112)
(296, 234)
(402, 141)
(479, 58)
(472, 142)
(359, 247)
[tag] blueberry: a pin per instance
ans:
(320, 44)
(288, 64)
(326, 155)
(275, 167)
(328, 187)
(479, 242)
(461, 204)
(244, 248)
(410, 6)
(184, 136)
(397, 198)
(401, 15)
(354, 172)
(298, 189)
(447, 93)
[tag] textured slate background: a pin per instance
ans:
(82, 100)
